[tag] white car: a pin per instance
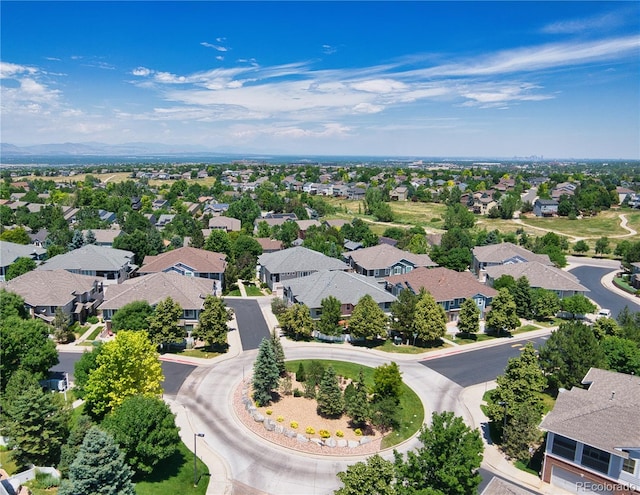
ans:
(604, 313)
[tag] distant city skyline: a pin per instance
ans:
(494, 79)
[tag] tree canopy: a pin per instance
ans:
(367, 319)
(430, 319)
(132, 316)
(163, 323)
(212, 325)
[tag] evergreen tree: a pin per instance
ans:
(367, 319)
(212, 324)
(300, 374)
(503, 317)
(70, 449)
(357, 401)
(402, 312)
(265, 374)
(145, 429)
(90, 237)
(430, 319)
(330, 317)
(469, 318)
(278, 352)
(99, 467)
(77, 241)
(163, 323)
(330, 400)
(522, 297)
(197, 239)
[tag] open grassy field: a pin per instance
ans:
(607, 224)
(124, 176)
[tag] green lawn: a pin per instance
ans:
(605, 224)
(412, 411)
(470, 339)
(95, 333)
(175, 475)
(389, 346)
(253, 291)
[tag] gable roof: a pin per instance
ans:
(538, 275)
(385, 255)
(49, 288)
(189, 292)
(270, 244)
(228, 223)
(442, 283)
(499, 253)
(347, 287)
(11, 251)
(90, 257)
(104, 235)
(603, 416)
(299, 259)
(200, 260)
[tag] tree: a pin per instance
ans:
(278, 352)
(246, 210)
(447, 462)
(356, 402)
(621, 355)
(458, 215)
(581, 247)
(18, 235)
(402, 312)
(603, 246)
(569, 353)
(544, 303)
(265, 374)
(521, 433)
(502, 317)
(330, 400)
(61, 331)
(212, 324)
(430, 319)
(11, 304)
(330, 317)
(99, 467)
(34, 423)
(387, 382)
(577, 305)
(163, 323)
(70, 449)
(604, 327)
(218, 241)
(375, 476)
(83, 368)
(296, 322)
(522, 297)
(20, 267)
(127, 365)
(25, 345)
(90, 237)
(145, 429)
(367, 319)
(132, 316)
(77, 241)
(469, 317)
(384, 413)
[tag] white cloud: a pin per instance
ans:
(219, 57)
(329, 50)
(219, 48)
(367, 108)
(600, 22)
(379, 86)
(141, 71)
(8, 70)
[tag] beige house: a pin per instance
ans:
(384, 260)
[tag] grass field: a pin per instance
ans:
(411, 412)
(607, 224)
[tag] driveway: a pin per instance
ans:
(251, 324)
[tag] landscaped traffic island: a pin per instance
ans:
(333, 408)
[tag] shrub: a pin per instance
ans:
(301, 375)
(358, 432)
(269, 412)
(93, 319)
(324, 434)
(297, 392)
(310, 430)
(339, 433)
(45, 481)
(280, 419)
(293, 424)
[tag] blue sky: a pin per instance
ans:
(476, 79)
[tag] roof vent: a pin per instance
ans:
(613, 395)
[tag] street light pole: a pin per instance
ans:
(195, 466)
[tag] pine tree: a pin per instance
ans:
(330, 400)
(99, 467)
(357, 402)
(278, 352)
(77, 241)
(90, 237)
(265, 374)
(300, 374)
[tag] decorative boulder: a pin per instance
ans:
(364, 440)
(269, 424)
(330, 442)
(279, 429)
(352, 444)
(257, 417)
(317, 441)
(289, 433)
(301, 438)
(342, 442)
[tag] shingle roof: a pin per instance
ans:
(269, 244)
(10, 251)
(348, 288)
(305, 224)
(538, 275)
(227, 222)
(498, 486)
(104, 235)
(189, 292)
(90, 257)
(200, 260)
(299, 259)
(442, 283)
(49, 288)
(383, 256)
(604, 416)
(498, 253)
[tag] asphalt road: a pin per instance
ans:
(174, 373)
(479, 366)
(590, 276)
(251, 324)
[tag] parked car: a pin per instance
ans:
(604, 313)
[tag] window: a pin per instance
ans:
(629, 466)
(564, 447)
(595, 459)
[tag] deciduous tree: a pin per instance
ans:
(403, 311)
(577, 305)
(502, 317)
(132, 316)
(212, 324)
(469, 317)
(296, 322)
(375, 476)
(387, 382)
(430, 319)
(330, 317)
(163, 323)
(367, 319)
(20, 267)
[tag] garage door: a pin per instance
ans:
(575, 483)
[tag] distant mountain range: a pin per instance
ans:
(102, 149)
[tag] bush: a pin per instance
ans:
(324, 434)
(310, 430)
(45, 481)
(280, 419)
(339, 433)
(293, 424)
(278, 306)
(358, 432)
(93, 319)
(297, 392)
(269, 412)
(301, 375)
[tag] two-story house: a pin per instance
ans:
(11, 251)
(504, 253)
(545, 207)
(593, 436)
(384, 260)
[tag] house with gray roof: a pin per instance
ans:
(228, 224)
(504, 253)
(348, 288)
(11, 251)
(448, 287)
(593, 436)
(384, 260)
(78, 296)
(112, 266)
(188, 292)
(539, 275)
(277, 267)
(104, 237)
(545, 207)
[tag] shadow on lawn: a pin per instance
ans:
(169, 468)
